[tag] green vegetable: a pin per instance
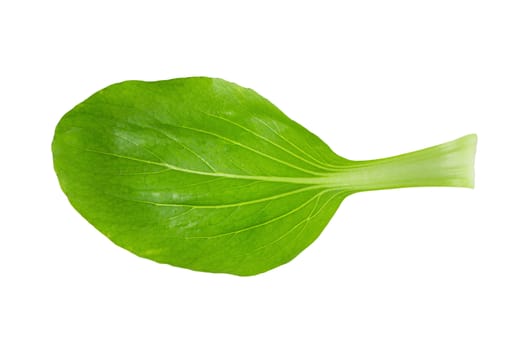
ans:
(204, 174)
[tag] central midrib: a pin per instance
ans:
(331, 180)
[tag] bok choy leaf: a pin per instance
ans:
(204, 174)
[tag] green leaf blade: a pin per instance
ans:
(192, 172)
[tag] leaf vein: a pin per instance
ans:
(228, 205)
(277, 218)
(321, 180)
(322, 163)
(256, 134)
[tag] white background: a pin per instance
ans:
(430, 268)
